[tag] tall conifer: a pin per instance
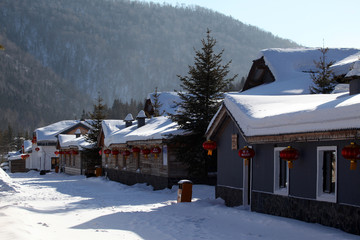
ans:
(203, 92)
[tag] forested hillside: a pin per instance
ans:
(122, 49)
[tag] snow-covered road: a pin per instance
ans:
(58, 206)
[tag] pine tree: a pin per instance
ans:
(204, 87)
(90, 155)
(96, 117)
(157, 104)
(323, 78)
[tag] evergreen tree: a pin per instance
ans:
(96, 117)
(323, 78)
(90, 156)
(204, 87)
(157, 104)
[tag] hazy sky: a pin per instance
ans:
(307, 22)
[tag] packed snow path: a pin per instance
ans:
(58, 206)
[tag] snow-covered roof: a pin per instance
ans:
(285, 106)
(14, 155)
(272, 115)
(70, 140)
(49, 132)
(156, 128)
(355, 70)
(27, 145)
(167, 101)
(291, 68)
(110, 126)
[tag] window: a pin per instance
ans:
(281, 174)
(326, 173)
(165, 155)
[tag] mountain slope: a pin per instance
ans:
(32, 95)
(124, 49)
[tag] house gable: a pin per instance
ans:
(259, 74)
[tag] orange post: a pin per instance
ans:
(185, 191)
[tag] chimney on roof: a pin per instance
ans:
(354, 87)
(141, 118)
(128, 120)
(77, 133)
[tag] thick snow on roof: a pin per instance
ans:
(271, 115)
(49, 132)
(167, 100)
(291, 68)
(156, 128)
(355, 70)
(70, 140)
(27, 145)
(110, 126)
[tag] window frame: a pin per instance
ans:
(320, 194)
(277, 189)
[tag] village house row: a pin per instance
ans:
(280, 150)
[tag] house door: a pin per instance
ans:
(247, 183)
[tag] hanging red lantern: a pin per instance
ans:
(126, 153)
(25, 156)
(74, 152)
(33, 140)
(107, 152)
(100, 152)
(145, 152)
(115, 152)
(67, 152)
(289, 154)
(246, 153)
(37, 149)
(156, 151)
(56, 152)
(209, 146)
(61, 152)
(352, 153)
(135, 150)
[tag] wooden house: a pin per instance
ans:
(296, 167)
(71, 153)
(43, 155)
(139, 151)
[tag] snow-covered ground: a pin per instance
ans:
(58, 206)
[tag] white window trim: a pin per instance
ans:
(320, 195)
(277, 190)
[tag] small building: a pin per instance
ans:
(139, 151)
(17, 160)
(71, 149)
(43, 155)
(276, 111)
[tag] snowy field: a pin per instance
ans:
(58, 206)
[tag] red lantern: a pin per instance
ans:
(107, 152)
(126, 153)
(56, 152)
(61, 152)
(115, 152)
(352, 153)
(33, 140)
(135, 150)
(289, 154)
(67, 152)
(156, 151)
(145, 152)
(25, 156)
(37, 149)
(209, 146)
(74, 152)
(100, 152)
(246, 153)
